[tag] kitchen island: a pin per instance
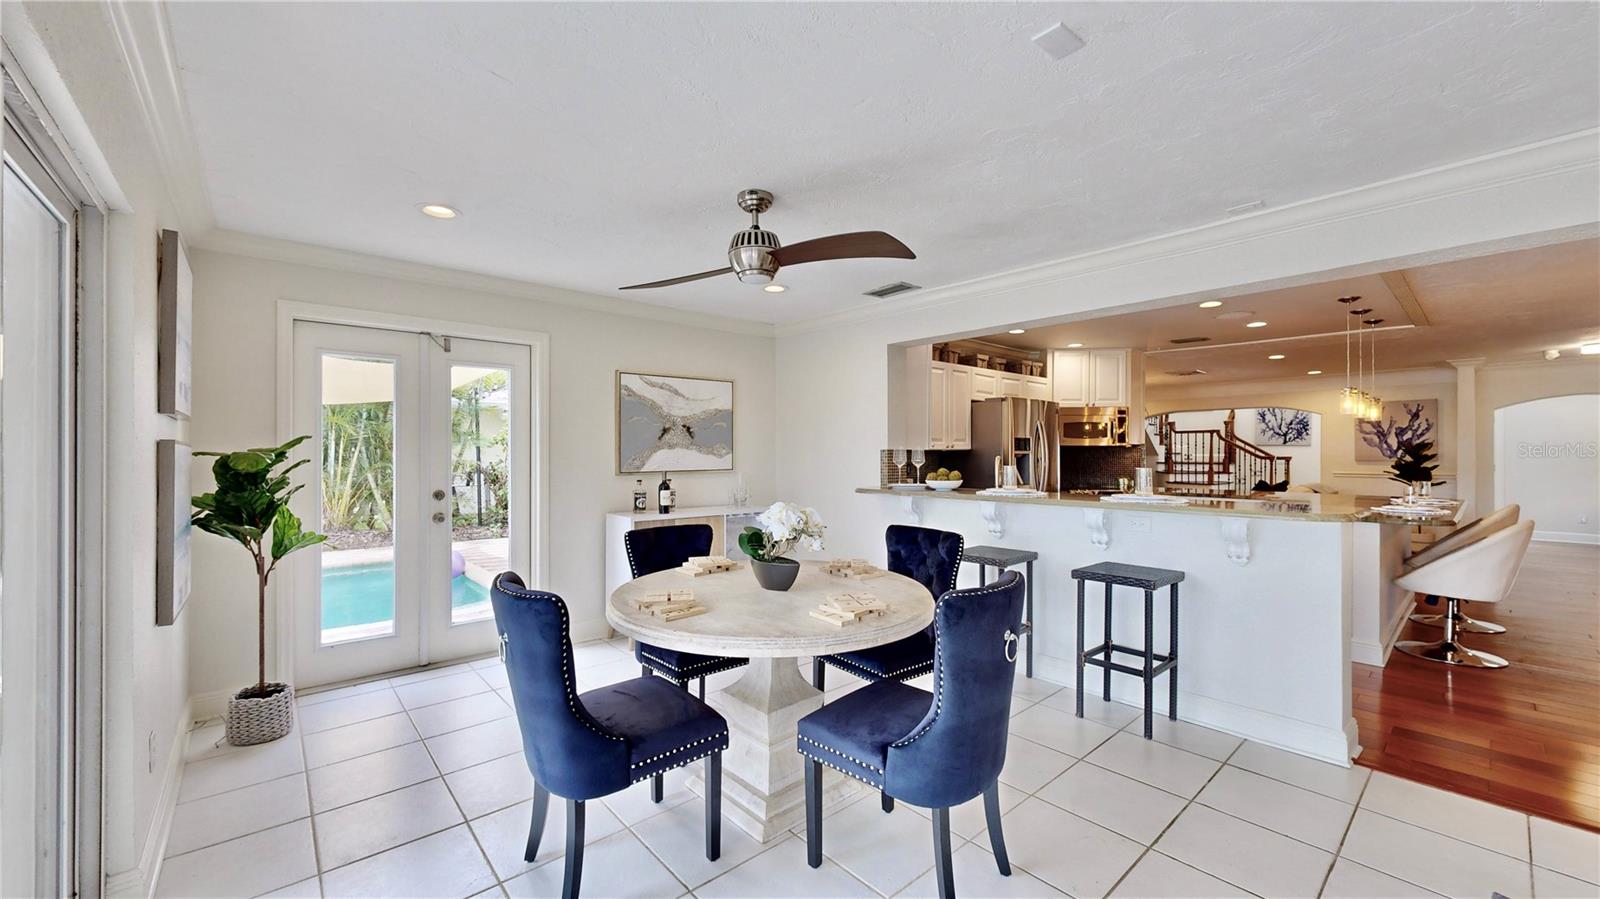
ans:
(1281, 595)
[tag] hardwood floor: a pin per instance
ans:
(1527, 736)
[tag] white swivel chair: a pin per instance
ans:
(1495, 521)
(1481, 572)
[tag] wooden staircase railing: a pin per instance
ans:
(1216, 457)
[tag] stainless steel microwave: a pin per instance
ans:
(1094, 425)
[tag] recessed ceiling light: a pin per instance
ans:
(1210, 304)
(1256, 325)
(1275, 356)
(438, 210)
(1589, 349)
(1314, 371)
(1073, 346)
(1017, 331)
(1058, 41)
(774, 288)
(1552, 355)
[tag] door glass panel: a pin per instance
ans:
(357, 483)
(480, 434)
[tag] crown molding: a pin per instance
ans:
(152, 63)
(277, 250)
(1578, 152)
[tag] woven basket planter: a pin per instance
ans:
(254, 720)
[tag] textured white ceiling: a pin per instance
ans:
(595, 145)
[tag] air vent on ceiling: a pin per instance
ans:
(1183, 340)
(889, 290)
(1187, 374)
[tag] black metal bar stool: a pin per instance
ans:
(1149, 580)
(1001, 558)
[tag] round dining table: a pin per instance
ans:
(763, 778)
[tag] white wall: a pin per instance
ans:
(1337, 466)
(1305, 465)
(235, 406)
(74, 48)
(1500, 386)
(1547, 459)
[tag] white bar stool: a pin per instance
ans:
(1494, 522)
(1480, 572)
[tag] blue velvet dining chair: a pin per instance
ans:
(932, 750)
(657, 549)
(583, 746)
(930, 557)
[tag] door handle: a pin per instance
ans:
(438, 518)
(438, 494)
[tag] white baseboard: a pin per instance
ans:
(141, 881)
(1327, 744)
(1567, 537)
(1364, 653)
(205, 706)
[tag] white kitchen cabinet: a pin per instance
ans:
(985, 384)
(1069, 377)
(1036, 388)
(958, 403)
(1011, 385)
(938, 406)
(1108, 378)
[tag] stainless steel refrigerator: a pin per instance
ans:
(1015, 431)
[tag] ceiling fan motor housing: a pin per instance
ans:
(750, 255)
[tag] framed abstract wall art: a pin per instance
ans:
(173, 531)
(1283, 427)
(175, 293)
(672, 423)
(1402, 422)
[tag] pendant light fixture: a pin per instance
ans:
(1350, 396)
(1374, 407)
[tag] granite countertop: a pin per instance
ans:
(1292, 506)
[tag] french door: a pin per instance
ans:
(420, 477)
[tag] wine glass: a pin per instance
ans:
(919, 458)
(898, 457)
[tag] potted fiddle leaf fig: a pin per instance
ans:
(250, 506)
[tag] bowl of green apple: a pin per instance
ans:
(943, 479)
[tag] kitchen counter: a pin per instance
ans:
(1341, 507)
(1281, 595)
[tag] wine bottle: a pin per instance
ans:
(641, 499)
(664, 494)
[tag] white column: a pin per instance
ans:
(1467, 432)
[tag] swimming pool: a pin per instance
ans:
(364, 594)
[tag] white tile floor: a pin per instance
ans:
(416, 787)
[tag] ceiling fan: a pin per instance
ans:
(755, 255)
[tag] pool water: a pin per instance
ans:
(364, 594)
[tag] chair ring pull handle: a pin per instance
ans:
(1011, 643)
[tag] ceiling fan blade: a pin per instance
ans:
(855, 245)
(686, 278)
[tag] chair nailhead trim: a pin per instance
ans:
(847, 665)
(695, 670)
(683, 748)
(938, 670)
(566, 661)
(842, 755)
(841, 770)
(688, 761)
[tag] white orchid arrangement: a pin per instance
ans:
(783, 527)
